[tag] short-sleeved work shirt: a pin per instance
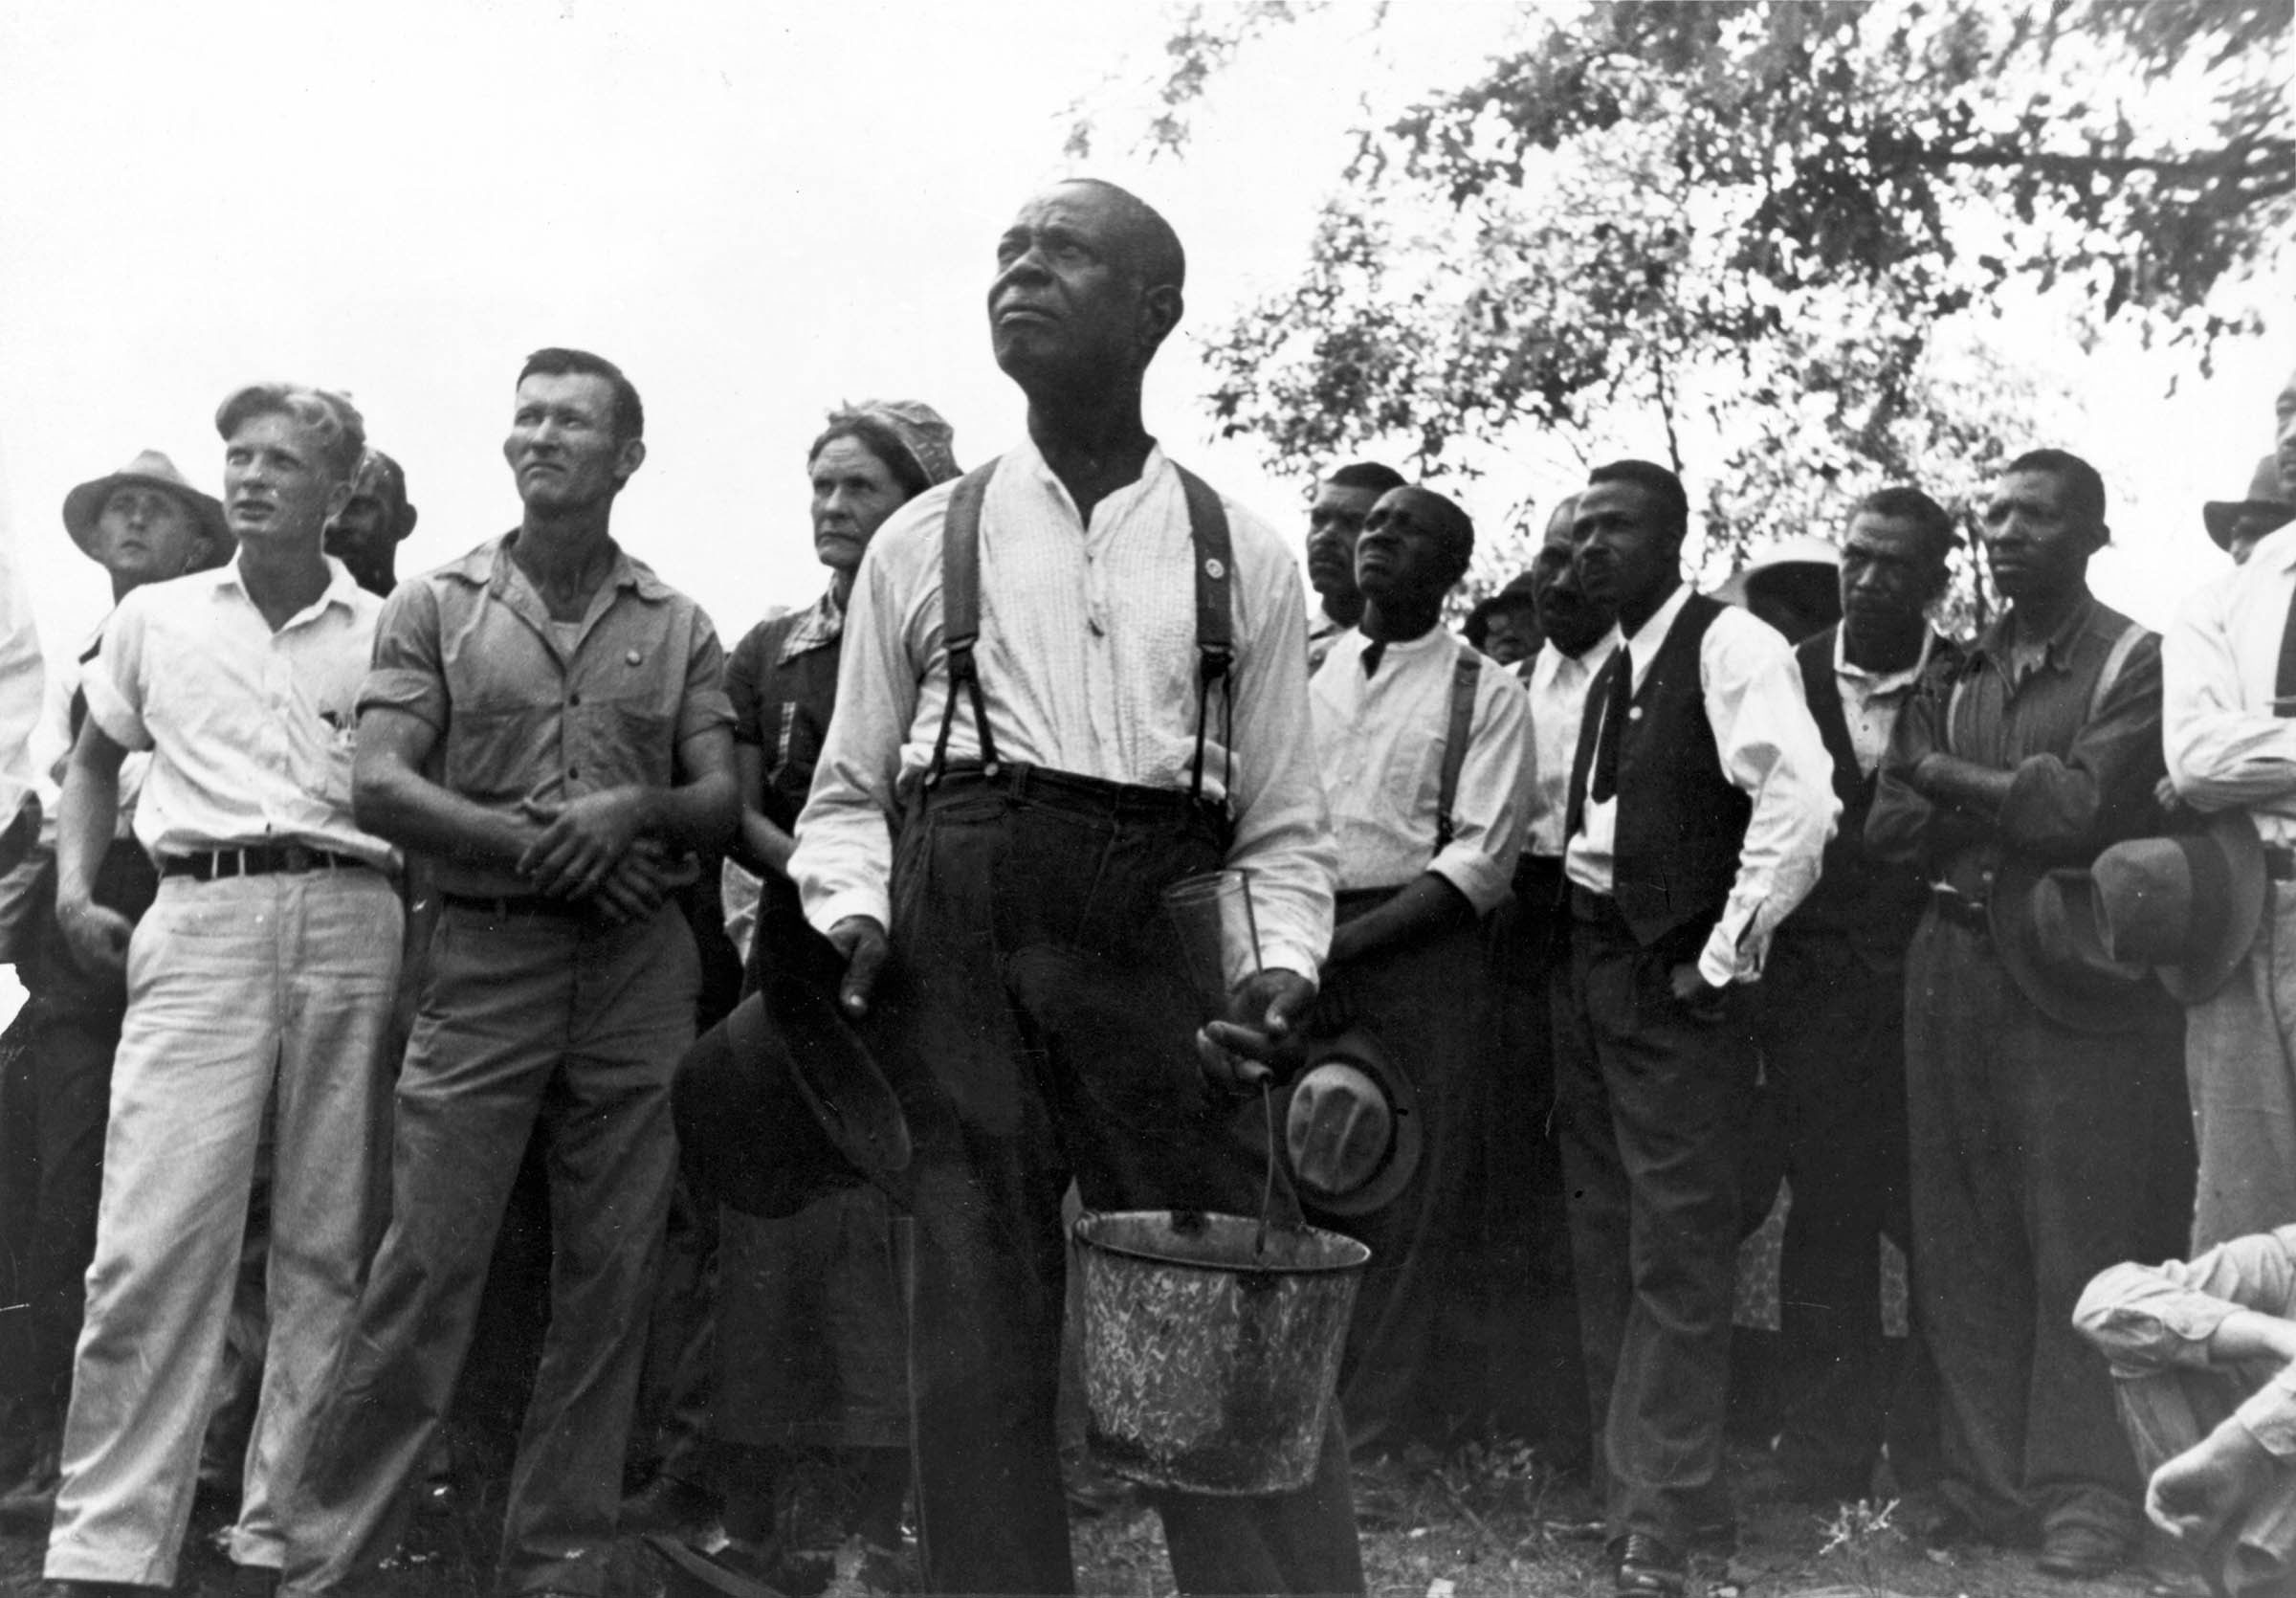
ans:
(529, 708)
(250, 728)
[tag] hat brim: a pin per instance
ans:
(2197, 980)
(1406, 1139)
(2222, 517)
(794, 1029)
(2078, 999)
(83, 508)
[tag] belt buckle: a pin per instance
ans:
(296, 857)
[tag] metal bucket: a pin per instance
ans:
(1211, 1347)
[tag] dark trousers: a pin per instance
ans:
(1652, 1110)
(1832, 1023)
(63, 1075)
(2036, 1158)
(1033, 1019)
(1424, 1004)
(524, 1019)
(1530, 1376)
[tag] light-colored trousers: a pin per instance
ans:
(2237, 1053)
(236, 987)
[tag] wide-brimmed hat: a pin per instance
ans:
(2043, 929)
(1516, 595)
(2266, 497)
(84, 505)
(786, 1100)
(1394, 1165)
(2187, 905)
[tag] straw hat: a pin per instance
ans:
(84, 505)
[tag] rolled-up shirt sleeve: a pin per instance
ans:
(2222, 754)
(2151, 1318)
(843, 863)
(1491, 814)
(1772, 751)
(2103, 787)
(1283, 829)
(114, 679)
(705, 705)
(406, 669)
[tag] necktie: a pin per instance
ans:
(1615, 706)
(2283, 682)
(1371, 652)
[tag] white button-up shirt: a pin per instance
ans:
(1559, 683)
(1088, 665)
(2220, 667)
(1380, 741)
(1871, 700)
(1771, 750)
(251, 731)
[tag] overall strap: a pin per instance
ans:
(2123, 647)
(1465, 675)
(1215, 624)
(960, 617)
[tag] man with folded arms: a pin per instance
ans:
(261, 975)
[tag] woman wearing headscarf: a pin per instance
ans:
(811, 1344)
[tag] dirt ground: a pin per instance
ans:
(1483, 1522)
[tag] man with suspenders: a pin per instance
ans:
(2038, 1096)
(1426, 750)
(1071, 678)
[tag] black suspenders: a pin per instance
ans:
(1464, 678)
(1214, 564)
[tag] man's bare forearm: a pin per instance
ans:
(88, 815)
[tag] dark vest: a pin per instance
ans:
(1875, 904)
(1681, 823)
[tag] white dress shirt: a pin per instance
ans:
(1380, 741)
(2220, 668)
(1771, 750)
(1559, 683)
(1871, 700)
(52, 746)
(251, 731)
(1088, 664)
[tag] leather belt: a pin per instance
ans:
(505, 908)
(263, 860)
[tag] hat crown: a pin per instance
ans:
(2145, 899)
(2265, 486)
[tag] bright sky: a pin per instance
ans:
(757, 209)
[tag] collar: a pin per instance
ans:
(2276, 549)
(488, 567)
(818, 626)
(1881, 684)
(1025, 457)
(1653, 632)
(2056, 653)
(342, 588)
(1550, 663)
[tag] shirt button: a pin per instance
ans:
(574, 699)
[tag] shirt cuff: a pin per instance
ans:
(113, 714)
(1295, 958)
(1481, 880)
(2269, 1413)
(872, 903)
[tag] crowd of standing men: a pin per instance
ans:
(371, 886)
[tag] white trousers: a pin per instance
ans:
(236, 989)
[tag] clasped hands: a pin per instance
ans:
(593, 848)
